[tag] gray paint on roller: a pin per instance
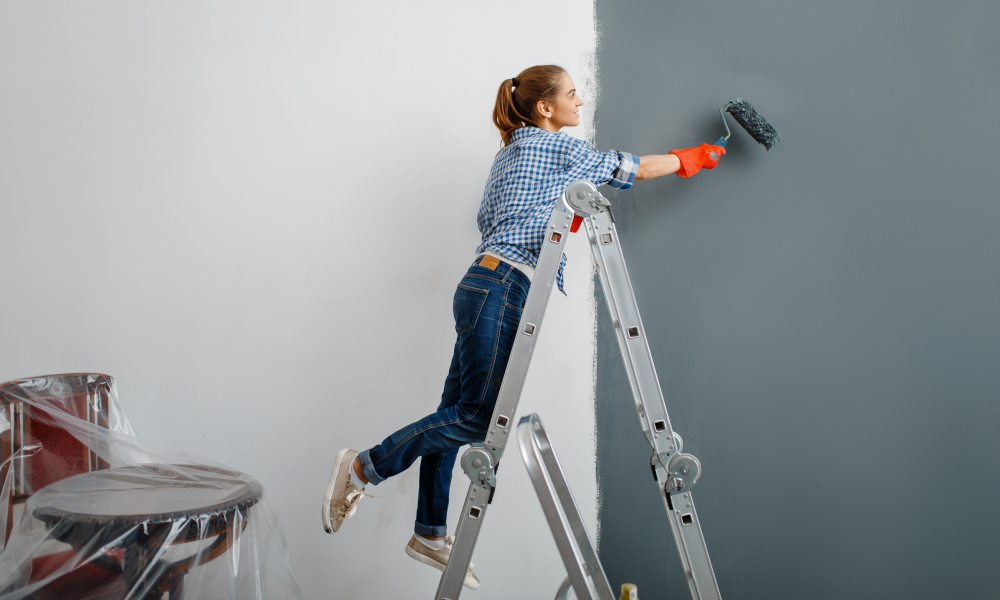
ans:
(824, 317)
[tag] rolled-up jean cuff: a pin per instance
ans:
(425, 530)
(369, 469)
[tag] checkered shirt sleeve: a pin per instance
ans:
(527, 177)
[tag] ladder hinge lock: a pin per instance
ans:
(683, 471)
(477, 463)
(583, 196)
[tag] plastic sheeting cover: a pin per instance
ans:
(92, 511)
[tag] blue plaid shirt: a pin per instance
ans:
(527, 177)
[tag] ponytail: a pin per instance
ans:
(517, 98)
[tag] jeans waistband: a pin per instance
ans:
(502, 268)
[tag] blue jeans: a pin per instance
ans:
(487, 308)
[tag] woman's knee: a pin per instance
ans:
(473, 430)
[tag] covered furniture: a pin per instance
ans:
(35, 449)
(127, 518)
(92, 512)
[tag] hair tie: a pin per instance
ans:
(513, 82)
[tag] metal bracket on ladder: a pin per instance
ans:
(674, 471)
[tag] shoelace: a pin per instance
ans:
(350, 503)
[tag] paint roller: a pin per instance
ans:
(707, 155)
(747, 116)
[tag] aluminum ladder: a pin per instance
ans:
(674, 471)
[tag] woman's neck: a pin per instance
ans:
(547, 125)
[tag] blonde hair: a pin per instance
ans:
(515, 107)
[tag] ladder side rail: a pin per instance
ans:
(602, 273)
(488, 454)
(690, 540)
(553, 469)
(645, 386)
(582, 564)
(531, 323)
(563, 592)
(630, 333)
(466, 534)
(575, 519)
(576, 566)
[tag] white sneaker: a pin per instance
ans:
(439, 558)
(342, 496)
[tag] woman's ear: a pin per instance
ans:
(542, 109)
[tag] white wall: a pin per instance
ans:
(254, 215)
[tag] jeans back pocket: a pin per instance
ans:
(467, 305)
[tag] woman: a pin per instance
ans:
(532, 169)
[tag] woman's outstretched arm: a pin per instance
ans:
(652, 166)
(684, 162)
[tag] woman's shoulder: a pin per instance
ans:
(550, 141)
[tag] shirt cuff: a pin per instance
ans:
(624, 175)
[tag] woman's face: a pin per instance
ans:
(566, 108)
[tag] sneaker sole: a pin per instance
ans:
(472, 585)
(327, 521)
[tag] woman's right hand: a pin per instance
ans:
(693, 160)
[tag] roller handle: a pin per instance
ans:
(722, 141)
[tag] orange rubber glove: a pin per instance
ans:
(705, 156)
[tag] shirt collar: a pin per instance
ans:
(523, 132)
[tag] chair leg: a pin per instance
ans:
(10, 517)
(176, 589)
(144, 572)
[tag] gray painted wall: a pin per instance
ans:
(824, 317)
